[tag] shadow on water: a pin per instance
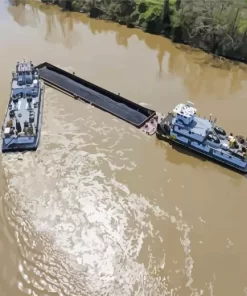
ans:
(181, 150)
(194, 159)
(194, 66)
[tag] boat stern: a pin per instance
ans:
(164, 126)
(19, 144)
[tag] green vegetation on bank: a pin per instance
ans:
(216, 26)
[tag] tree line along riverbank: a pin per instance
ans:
(218, 27)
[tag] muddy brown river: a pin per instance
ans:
(101, 208)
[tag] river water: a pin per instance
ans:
(101, 208)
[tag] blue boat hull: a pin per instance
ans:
(166, 138)
(26, 144)
(21, 144)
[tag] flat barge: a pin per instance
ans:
(97, 96)
(23, 118)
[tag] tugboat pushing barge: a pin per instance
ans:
(184, 127)
(22, 124)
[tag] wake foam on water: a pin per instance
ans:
(93, 230)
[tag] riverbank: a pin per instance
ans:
(114, 212)
(216, 27)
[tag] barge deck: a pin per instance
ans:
(99, 97)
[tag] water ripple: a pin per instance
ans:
(80, 231)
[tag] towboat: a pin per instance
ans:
(23, 118)
(182, 126)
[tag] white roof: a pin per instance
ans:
(185, 110)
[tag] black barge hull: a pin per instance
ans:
(97, 96)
